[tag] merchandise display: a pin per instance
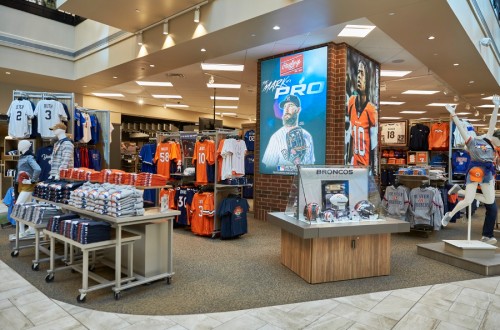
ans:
(20, 113)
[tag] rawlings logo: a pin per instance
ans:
(291, 64)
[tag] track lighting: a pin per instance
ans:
(139, 38)
(197, 15)
(476, 113)
(485, 42)
(467, 106)
(165, 28)
(211, 80)
(456, 98)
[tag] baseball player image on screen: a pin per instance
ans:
(362, 117)
(290, 145)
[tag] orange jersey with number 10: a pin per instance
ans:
(360, 131)
(204, 153)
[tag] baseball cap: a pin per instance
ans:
(58, 126)
(290, 98)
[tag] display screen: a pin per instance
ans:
(293, 111)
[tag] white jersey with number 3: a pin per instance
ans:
(49, 113)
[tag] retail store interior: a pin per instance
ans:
(129, 231)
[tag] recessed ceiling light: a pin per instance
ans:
(228, 113)
(225, 98)
(486, 98)
(440, 104)
(464, 113)
(227, 106)
(155, 83)
(456, 64)
(480, 125)
(419, 92)
(431, 37)
(276, 27)
(222, 67)
(394, 97)
(393, 73)
(176, 105)
(224, 86)
(413, 111)
(84, 86)
(140, 101)
(137, 10)
(390, 118)
(7, 72)
(108, 94)
(399, 60)
(391, 103)
(392, 14)
(203, 50)
(151, 65)
(253, 35)
(486, 106)
(471, 81)
(115, 77)
(161, 96)
(435, 54)
(356, 31)
(472, 119)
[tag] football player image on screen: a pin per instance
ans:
(362, 114)
(291, 144)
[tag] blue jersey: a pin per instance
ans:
(249, 161)
(183, 199)
(43, 157)
(233, 214)
(460, 162)
(79, 121)
(250, 139)
(94, 129)
(95, 159)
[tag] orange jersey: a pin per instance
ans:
(165, 152)
(360, 131)
(439, 136)
(202, 214)
(170, 193)
(204, 154)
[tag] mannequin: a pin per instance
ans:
(481, 170)
(28, 172)
(62, 155)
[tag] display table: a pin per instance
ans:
(327, 252)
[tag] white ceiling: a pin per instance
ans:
(399, 43)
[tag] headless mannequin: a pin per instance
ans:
(488, 188)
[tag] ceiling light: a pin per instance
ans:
(357, 31)
(203, 50)
(276, 27)
(480, 125)
(229, 114)
(140, 101)
(173, 105)
(471, 81)
(476, 113)
(486, 106)
(431, 37)
(162, 96)
(155, 83)
(413, 111)
(464, 113)
(391, 103)
(137, 10)
(165, 27)
(227, 106)
(471, 119)
(197, 15)
(456, 64)
(487, 98)
(115, 77)
(419, 92)
(225, 98)
(224, 86)
(485, 41)
(211, 80)
(139, 38)
(391, 118)
(222, 67)
(151, 65)
(440, 104)
(7, 72)
(393, 73)
(108, 94)
(467, 106)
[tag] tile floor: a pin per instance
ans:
(473, 304)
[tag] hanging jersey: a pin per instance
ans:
(79, 121)
(250, 139)
(95, 130)
(460, 162)
(183, 199)
(87, 125)
(225, 148)
(249, 163)
(426, 207)
(360, 131)
(43, 158)
(419, 137)
(49, 113)
(165, 152)
(202, 214)
(204, 154)
(95, 159)
(393, 133)
(233, 214)
(458, 141)
(439, 136)
(19, 113)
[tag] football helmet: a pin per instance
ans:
(328, 215)
(365, 209)
(311, 211)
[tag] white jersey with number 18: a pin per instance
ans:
(393, 133)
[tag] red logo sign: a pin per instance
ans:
(291, 64)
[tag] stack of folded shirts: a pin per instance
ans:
(54, 223)
(91, 231)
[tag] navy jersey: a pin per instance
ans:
(79, 121)
(233, 214)
(43, 157)
(250, 139)
(249, 161)
(95, 159)
(460, 162)
(183, 199)
(95, 129)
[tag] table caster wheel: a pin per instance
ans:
(81, 298)
(14, 253)
(35, 267)
(118, 295)
(49, 278)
